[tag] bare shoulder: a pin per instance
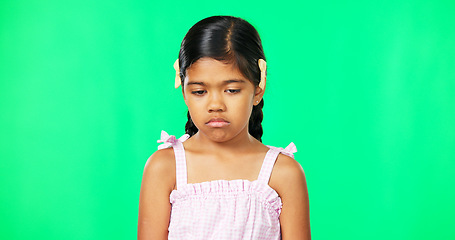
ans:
(287, 175)
(158, 181)
(161, 160)
(161, 165)
(288, 180)
(286, 163)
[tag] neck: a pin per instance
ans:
(240, 143)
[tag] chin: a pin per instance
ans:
(217, 135)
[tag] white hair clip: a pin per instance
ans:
(178, 81)
(263, 67)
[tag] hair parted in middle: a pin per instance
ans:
(231, 40)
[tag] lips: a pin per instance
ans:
(217, 123)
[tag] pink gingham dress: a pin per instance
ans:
(221, 209)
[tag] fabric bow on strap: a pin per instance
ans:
(170, 140)
(289, 150)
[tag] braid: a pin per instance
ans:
(255, 123)
(190, 128)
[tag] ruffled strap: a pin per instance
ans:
(289, 150)
(170, 140)
(270, 159)
(179, 152)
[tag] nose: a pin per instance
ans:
(216, 103)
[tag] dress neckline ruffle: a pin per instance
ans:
(229, 188)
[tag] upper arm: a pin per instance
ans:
(158, 181)
(288, 179)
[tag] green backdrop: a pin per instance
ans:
(365, 89)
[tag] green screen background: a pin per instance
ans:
(365, 89)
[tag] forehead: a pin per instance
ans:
(210, 70)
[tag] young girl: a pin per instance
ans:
(222, 182)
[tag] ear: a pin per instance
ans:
(258, 94)
(183, 91)
(184, 96)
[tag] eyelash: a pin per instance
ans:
(201, 92)
(198, 93)
(233, 91)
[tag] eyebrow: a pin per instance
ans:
(224, 82)
(196, 83)
(234, 81)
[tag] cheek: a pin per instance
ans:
(195, 108)
(244, 108)
(192, 108)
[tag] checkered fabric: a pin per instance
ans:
(221, 209)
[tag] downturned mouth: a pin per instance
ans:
(217, 122)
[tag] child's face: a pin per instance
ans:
(219, 99)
